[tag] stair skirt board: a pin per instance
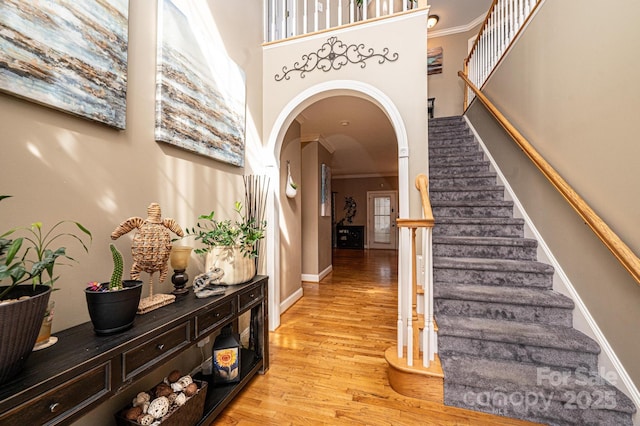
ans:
(505, 324)
(415, 381)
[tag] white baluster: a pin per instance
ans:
(410, 341)
(365, 9)
(327, 11)
(352, 11)
(377, 8)
(339, 12)
(294, 18)
(305, 16)
(283, 22)
(315, 16)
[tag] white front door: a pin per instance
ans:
(382, 212)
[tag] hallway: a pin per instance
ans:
(327, 357)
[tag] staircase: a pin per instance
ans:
(505, 338)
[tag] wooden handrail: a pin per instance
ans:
(422, 183)
(620, 250)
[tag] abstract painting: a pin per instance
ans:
(434, 61)
(200, 91)
(68, 55)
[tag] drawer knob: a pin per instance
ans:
(55, 407)
(160, 346)
(252, 295)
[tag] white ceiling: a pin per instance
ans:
(367, 146)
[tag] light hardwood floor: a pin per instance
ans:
(327, 357)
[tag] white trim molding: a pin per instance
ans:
(316, 278)
(271, 155)
(291, 300)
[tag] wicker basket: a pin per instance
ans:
(187, 415)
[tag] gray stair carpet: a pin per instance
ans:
(505, 337)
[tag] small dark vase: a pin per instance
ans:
(114, 311)
(19, 326)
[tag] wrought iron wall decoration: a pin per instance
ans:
(333, 55)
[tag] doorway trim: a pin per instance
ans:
(274, 145)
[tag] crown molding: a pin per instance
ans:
(456, 30)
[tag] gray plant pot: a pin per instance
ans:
(19, 326)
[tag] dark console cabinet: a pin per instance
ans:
(350, 237)
(60, 383)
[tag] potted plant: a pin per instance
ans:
(112, 305)
(229, 245)
(27, 265)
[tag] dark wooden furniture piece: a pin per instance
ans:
(350, 236)
(82, 370)
(431, 104)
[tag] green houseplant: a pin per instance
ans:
(112, 305)
(28, 257)
(229, 245)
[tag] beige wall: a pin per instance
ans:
(58, 166)
(400, 81)
(357, 188)
(447, 87)
(316, 229)
(291, 218)
(572, 90)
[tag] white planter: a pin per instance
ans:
(236, 267)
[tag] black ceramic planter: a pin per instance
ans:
(114, 311)
(19, 326)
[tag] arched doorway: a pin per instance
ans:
(274, 145)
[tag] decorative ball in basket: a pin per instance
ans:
(177, 401)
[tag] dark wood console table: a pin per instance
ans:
(82, 370)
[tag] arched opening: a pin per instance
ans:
(273, 150)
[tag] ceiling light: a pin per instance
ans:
(344, 123)
(432, 21)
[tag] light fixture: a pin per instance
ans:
(432, 21)
(345, 123)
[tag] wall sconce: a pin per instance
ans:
(432, 20)
(291, 187)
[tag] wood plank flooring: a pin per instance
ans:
(327, 357)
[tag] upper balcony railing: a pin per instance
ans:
(505, 20)
(291, 18)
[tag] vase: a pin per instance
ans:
(236, 267)
(19, 325)
(114, 311)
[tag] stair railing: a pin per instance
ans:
(504, 22)
(611, 240)
(417, 322)
(286, 18)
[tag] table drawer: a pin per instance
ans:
(250, 297)
(213, 317)
(63, 401)
(144, 357)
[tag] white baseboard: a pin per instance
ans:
(291, 300)
(316, 278)
(583, 321)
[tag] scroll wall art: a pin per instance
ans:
(200, 91)
(71, 56)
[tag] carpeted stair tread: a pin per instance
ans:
(505, 265)
(515, 332)
(485, 247)
(498, 241)
(511, 295)
(509, 377)
(481, 220)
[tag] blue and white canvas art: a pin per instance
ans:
(69, 55)
(200, 91)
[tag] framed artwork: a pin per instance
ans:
(200, 91)
(325, 190)
(71, 56)
(434, 60)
